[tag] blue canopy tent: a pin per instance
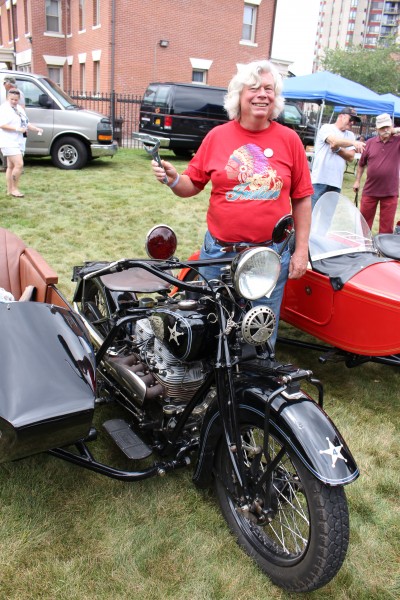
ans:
(324, 87)
(395, 100)
(370, 111)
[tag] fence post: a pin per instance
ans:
(112, 109)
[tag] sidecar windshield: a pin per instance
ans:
(337, 228)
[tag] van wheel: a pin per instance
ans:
(184, 154)
(69, 153)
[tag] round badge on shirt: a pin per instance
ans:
(268, 152)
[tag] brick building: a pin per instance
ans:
(122, 45)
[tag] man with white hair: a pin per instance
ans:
(382, 159)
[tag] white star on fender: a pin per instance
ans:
(333, 451)
(174, 334)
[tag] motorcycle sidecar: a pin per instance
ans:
(47, 379)
(47, 371)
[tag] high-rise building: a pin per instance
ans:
(345, 23)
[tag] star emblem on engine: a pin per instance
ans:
(174, 333)
(334, 452)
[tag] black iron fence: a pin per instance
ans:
(123, 110)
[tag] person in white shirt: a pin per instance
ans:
(334, 146)
(13, 125)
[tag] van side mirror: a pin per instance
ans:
(45, 101)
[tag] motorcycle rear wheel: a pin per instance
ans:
(95, 307)
(305, 544)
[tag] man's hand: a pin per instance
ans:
(359, 146)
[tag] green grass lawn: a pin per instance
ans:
(66, 533)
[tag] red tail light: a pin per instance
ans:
(167, 122)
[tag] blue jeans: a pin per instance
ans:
(211, 249)
(319, 189)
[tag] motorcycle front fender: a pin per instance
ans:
(300, 424)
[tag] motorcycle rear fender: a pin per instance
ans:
(300, 424)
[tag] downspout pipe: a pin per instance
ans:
(112, 75)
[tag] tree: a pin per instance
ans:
(378, 70)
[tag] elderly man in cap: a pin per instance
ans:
(382, 159)
(334, 146)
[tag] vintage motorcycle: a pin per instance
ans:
(189, 362)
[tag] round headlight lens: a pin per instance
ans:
(255, 272)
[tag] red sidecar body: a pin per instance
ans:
(350, 295)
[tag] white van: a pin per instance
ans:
(71, 135)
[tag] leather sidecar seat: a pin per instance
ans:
(21, 267)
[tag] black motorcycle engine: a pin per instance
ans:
(174, 342)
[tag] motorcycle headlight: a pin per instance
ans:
(255, 272)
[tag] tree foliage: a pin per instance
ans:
(378, 70)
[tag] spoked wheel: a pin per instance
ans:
(299, 538)
(95, 308)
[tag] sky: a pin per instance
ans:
(294, 34)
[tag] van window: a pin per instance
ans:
(157, 95)
(201, 101)
(31, 92)
(292, 115)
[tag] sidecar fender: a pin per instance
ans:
(300, 424)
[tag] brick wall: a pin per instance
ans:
(200, 29)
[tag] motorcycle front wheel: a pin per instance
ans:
(304, 545)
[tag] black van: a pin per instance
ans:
(181, 112)
(184, 113)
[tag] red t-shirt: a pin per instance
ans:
(383, 164)
(254, 174)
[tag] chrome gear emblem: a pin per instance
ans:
(258, 325)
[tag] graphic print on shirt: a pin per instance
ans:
(257, 180)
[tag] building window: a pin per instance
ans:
(96, 13)
(27, 68)
(96, 77)
(82, 16)
(82, 77)
(53, 15)
(56, 75)
(199, 76)
(249, 23)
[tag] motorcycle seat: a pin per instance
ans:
(388, 244)
(134, 280)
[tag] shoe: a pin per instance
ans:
(18, 195)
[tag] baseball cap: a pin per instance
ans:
(349, 110)
(383, 120)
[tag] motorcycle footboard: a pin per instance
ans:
(126, 439)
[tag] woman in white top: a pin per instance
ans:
(14, 126)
